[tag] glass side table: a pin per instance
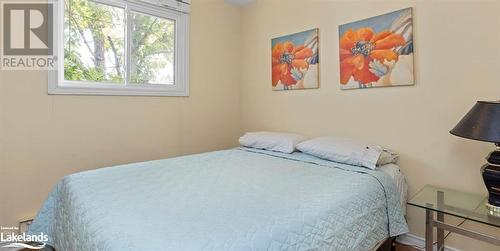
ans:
(441, 201)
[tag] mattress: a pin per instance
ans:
(237, 199)
(402, 187)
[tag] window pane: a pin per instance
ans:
(94, 46)
(152, 50)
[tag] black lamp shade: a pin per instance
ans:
(481, 123)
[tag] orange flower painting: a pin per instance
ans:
(295, 61)
(377, 52)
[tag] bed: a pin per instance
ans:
(238, 199)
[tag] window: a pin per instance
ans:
(121, 47)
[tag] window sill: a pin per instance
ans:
(110, 90)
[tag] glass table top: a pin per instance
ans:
(455, 203)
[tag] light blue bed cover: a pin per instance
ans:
(239, 199)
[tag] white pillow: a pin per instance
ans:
(347, 151)
(279, 142)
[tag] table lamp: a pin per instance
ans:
(482, 123)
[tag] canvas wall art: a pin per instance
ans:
(295, 61)
(377, 52)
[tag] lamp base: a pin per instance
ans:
(491, 177)
(493, 210)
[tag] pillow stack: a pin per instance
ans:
(348, 152)
(344, 151)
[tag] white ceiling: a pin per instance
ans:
(240, 2)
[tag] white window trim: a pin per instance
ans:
(58, 85)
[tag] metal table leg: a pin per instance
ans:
(440, 217)
(429, 219)
(440, 233)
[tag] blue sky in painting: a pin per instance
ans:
(297, 38)
(378, 23)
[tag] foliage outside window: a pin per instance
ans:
(120, 47)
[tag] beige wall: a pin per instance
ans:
(457, 51)
(43, 138)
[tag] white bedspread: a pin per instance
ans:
(228, 200)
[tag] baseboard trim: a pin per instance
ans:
(419, 242)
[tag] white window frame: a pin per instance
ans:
(169, 9)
